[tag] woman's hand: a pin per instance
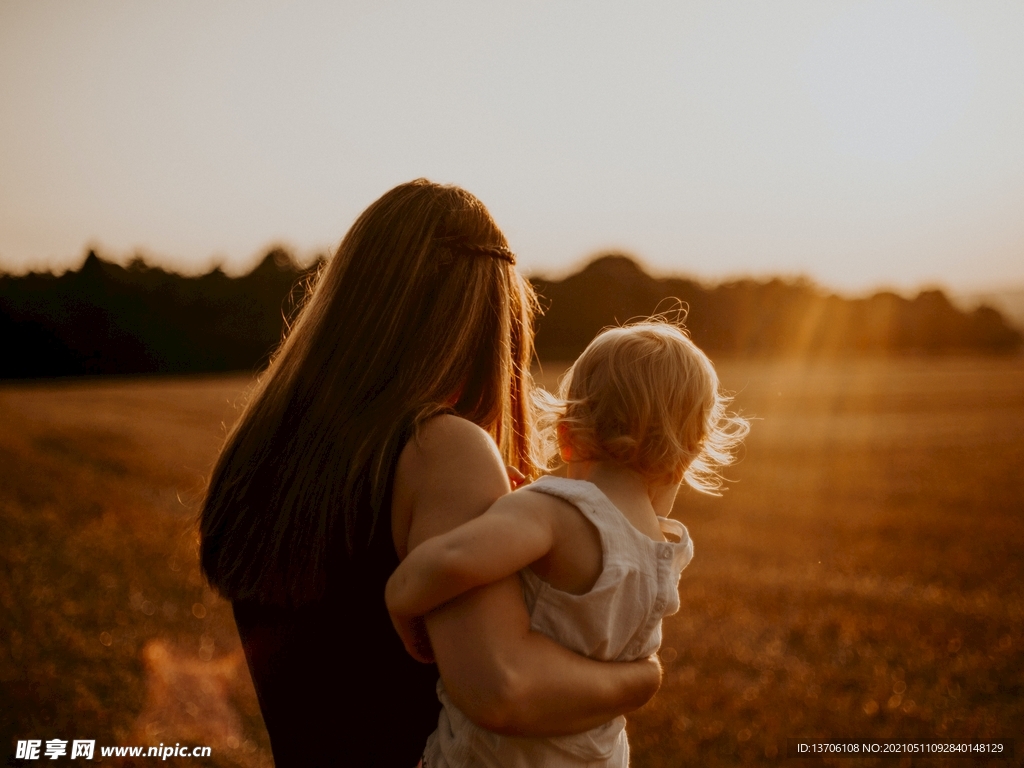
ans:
(651, 667)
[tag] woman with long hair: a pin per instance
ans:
(388, 416)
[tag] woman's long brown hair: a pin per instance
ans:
(420, 308)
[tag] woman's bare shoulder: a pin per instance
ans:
(448, 473)
(449, 442)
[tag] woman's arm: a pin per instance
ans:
(504, 676)
(509, 536)
(511, 680)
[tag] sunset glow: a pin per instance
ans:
(862, 144)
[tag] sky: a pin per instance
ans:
(861, 144)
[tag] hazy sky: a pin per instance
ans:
(861, 143)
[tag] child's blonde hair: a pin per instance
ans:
(643, 395)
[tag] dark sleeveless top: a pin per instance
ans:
(334, 682)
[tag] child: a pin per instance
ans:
(638, 413)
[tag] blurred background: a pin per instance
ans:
(865, 145)
(834, 190)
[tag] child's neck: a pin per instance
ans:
(629, 491)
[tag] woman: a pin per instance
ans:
(388, 416)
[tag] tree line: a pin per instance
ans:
(105, 318)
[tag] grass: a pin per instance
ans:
(862, 577)
(111, 632)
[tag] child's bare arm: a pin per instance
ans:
(502, 674)
(512, 534)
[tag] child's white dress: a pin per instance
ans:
(619, 619)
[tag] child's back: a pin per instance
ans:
(617, 619)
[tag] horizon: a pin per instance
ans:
(963, 299)
(863, 146)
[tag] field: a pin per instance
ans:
(862, 577)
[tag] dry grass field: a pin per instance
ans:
(862, 577)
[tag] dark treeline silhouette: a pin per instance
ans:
(768, 318)
(109, 319)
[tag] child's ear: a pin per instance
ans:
(564, 442)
